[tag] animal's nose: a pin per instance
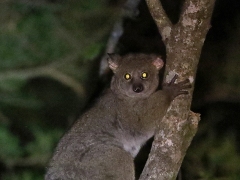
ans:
(137, 88)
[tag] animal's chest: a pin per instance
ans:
(132, 136)
(133, 110)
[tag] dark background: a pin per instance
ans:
(50, 52)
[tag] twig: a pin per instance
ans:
(111, 44)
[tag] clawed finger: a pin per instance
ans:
(183, 92)
(173, 79)
(186, 86)
(184, 82)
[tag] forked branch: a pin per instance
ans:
(184, 42)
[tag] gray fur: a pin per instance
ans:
(102, 144)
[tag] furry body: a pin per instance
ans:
(102, 144)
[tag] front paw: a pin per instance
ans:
(176, 89)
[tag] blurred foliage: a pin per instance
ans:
(10, 146)
(48, 50)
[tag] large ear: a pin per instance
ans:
(158, 63)
(113, 61)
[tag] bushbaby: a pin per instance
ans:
(102, 144)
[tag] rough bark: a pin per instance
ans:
(183, 42)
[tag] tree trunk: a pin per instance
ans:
(183, 42)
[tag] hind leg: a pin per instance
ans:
(101, 162)
(109, 163)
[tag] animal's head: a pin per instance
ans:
(135, 75)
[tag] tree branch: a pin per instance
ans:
(49, 70)
(65, 80)
(160, 17)
(178, 127)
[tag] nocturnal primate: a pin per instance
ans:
(102, 144)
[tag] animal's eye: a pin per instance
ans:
(144, 75)
(127, 76)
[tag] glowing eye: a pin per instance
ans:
(127, 76)
(144, 75)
